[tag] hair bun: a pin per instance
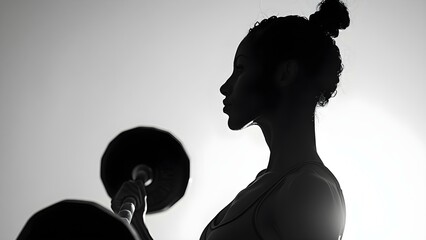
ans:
(331, 16)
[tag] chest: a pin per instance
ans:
(223, 227)
(239, 219)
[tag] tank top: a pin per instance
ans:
(240, 218)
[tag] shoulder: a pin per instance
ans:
(306, 189)
(305, 205)
(305, 185)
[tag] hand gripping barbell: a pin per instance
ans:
(150, 155)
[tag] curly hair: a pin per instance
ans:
(310, 41)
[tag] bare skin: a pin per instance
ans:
(287, 123)
(135, 189)
(286, 118)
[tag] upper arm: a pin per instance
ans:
(305, 209)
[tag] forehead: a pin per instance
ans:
(245, 49)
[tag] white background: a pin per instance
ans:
(74, 74)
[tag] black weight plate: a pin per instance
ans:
(76, 219)
(159, 150)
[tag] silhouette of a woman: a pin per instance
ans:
(283, 69)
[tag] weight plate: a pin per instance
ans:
(76, 219)
(159, 150)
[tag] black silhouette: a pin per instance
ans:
(283, 69)
(158, 165)
(76, 219)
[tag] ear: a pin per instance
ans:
(286, 73)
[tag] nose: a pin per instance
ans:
(225, 89)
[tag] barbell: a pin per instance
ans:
(76, 219)
(150, 155)
(145, 154)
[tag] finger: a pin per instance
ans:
(134, 189)
(141, 186)
(141, 194)
(127, 189)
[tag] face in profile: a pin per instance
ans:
(244, 100)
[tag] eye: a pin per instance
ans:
(239, 67)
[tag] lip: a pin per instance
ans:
(226, 108)
(226, 102)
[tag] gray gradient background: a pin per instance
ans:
(76, 73)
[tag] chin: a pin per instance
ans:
(234, 127)
(235, 124)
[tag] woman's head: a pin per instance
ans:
(303, 48)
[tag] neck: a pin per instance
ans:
(290, 135)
